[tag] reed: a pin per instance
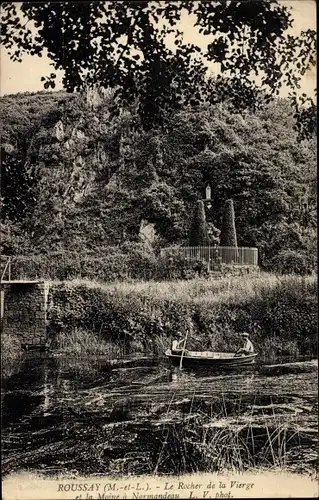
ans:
(80, 342)
(11, 353)
(200, 442)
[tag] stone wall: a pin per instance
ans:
(24, 310)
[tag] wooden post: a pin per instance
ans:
(1, 310)
(181, 361)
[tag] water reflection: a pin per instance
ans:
(62, 414)
(30, 391)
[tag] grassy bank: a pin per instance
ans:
(279, 312)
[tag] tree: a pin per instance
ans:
(228, 237)
(198, 233)
(122, 45)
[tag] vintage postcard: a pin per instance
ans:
(158, 298)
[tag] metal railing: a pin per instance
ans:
(241, 256)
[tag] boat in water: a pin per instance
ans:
(210, 359)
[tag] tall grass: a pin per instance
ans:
(79, 342)
(11, 348)
(197, 442)
(233, 288)
(11, 352)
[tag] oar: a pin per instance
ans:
(181, 361)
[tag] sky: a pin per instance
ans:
(26, 76)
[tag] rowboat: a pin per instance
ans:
(210, 359)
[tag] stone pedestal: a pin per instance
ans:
(23, 310)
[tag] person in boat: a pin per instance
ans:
(178, 344)
(248, 347)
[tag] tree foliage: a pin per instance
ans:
(123, 45)
(198, 233)
(228, 236)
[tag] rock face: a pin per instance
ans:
(71, 156)
(65, 158)
(58, 131)
(77, 134)
(147, 233)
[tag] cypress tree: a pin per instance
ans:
(228, 237)
(198, 233)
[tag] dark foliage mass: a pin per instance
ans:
(76, 178)
(123, 45)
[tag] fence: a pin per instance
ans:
(241, 256)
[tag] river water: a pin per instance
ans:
(63, 416)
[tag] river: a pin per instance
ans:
(69, 417)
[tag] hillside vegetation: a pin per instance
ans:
(75, 177)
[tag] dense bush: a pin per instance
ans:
(176, 266)
(130, 261)
(291, 261)
(112, 264)
(281, 315)
(141, 261)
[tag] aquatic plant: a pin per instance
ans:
(80, 342)
(121, 424)
(11, 352)
(238, 441)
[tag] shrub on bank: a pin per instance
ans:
(280, 314)
(175, 267)
(67, 265)
(291, 261)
